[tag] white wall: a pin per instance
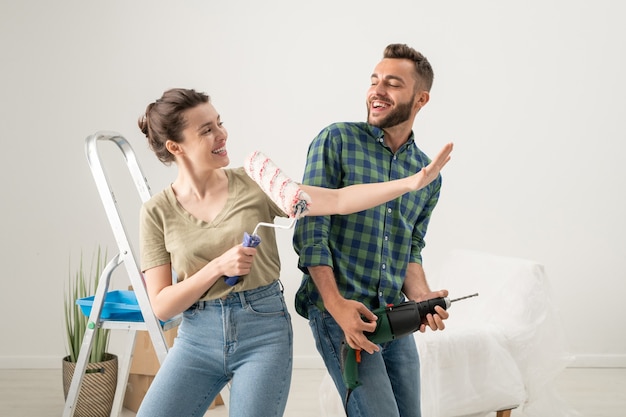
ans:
(532, 94)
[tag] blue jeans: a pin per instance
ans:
(245, 338)
(390, 378)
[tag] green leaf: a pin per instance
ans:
(82, 283)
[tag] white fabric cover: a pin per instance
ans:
(499, 350)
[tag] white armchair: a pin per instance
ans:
(500, 351)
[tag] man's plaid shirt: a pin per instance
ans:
(369, 251)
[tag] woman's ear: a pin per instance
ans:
(173, 147)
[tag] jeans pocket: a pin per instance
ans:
(190, 313)
(267, 306)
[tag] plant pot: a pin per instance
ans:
(97, 390)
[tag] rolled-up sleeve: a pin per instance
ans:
(323, 169)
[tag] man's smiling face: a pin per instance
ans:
(391, 96)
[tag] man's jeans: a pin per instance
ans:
(390, 378)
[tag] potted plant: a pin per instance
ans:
(97, 390)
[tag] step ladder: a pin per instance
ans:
(125, 256)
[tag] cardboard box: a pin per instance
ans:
(136, 389)
(145, 361)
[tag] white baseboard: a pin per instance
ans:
(598, 361)
(304, 362)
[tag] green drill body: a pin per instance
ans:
(393, 322)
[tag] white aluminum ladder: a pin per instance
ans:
(126, 257)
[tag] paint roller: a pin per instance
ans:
(282, 190)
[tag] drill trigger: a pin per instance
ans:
(358, 355)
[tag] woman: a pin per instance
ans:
(238, 333)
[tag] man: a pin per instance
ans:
(356, 263)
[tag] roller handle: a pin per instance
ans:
(249, 241)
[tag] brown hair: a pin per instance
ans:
(164, 119)
(423, 69)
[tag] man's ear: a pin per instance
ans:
(173, 147)
(421, 98)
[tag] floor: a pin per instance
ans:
(592, 392)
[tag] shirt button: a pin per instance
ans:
(380, 294)
(386, 237)
(388, 210)
(384, 266)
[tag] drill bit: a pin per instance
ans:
(463, 298)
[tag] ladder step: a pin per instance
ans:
(138, 325)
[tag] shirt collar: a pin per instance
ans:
(379, 134)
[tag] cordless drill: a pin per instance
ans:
(393, 322)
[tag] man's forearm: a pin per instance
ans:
(416, 289)
(415, 285)
(324, 278)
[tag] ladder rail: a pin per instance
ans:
(92, 326)
(91, 149)
(125, 256)
(108, 200)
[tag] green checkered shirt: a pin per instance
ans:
(369, 251)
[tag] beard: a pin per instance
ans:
(400, 114)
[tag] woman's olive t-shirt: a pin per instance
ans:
(171, 235)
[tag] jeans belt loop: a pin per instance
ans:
(242, 297)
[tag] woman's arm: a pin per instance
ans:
(355, 198)
(168, 300)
